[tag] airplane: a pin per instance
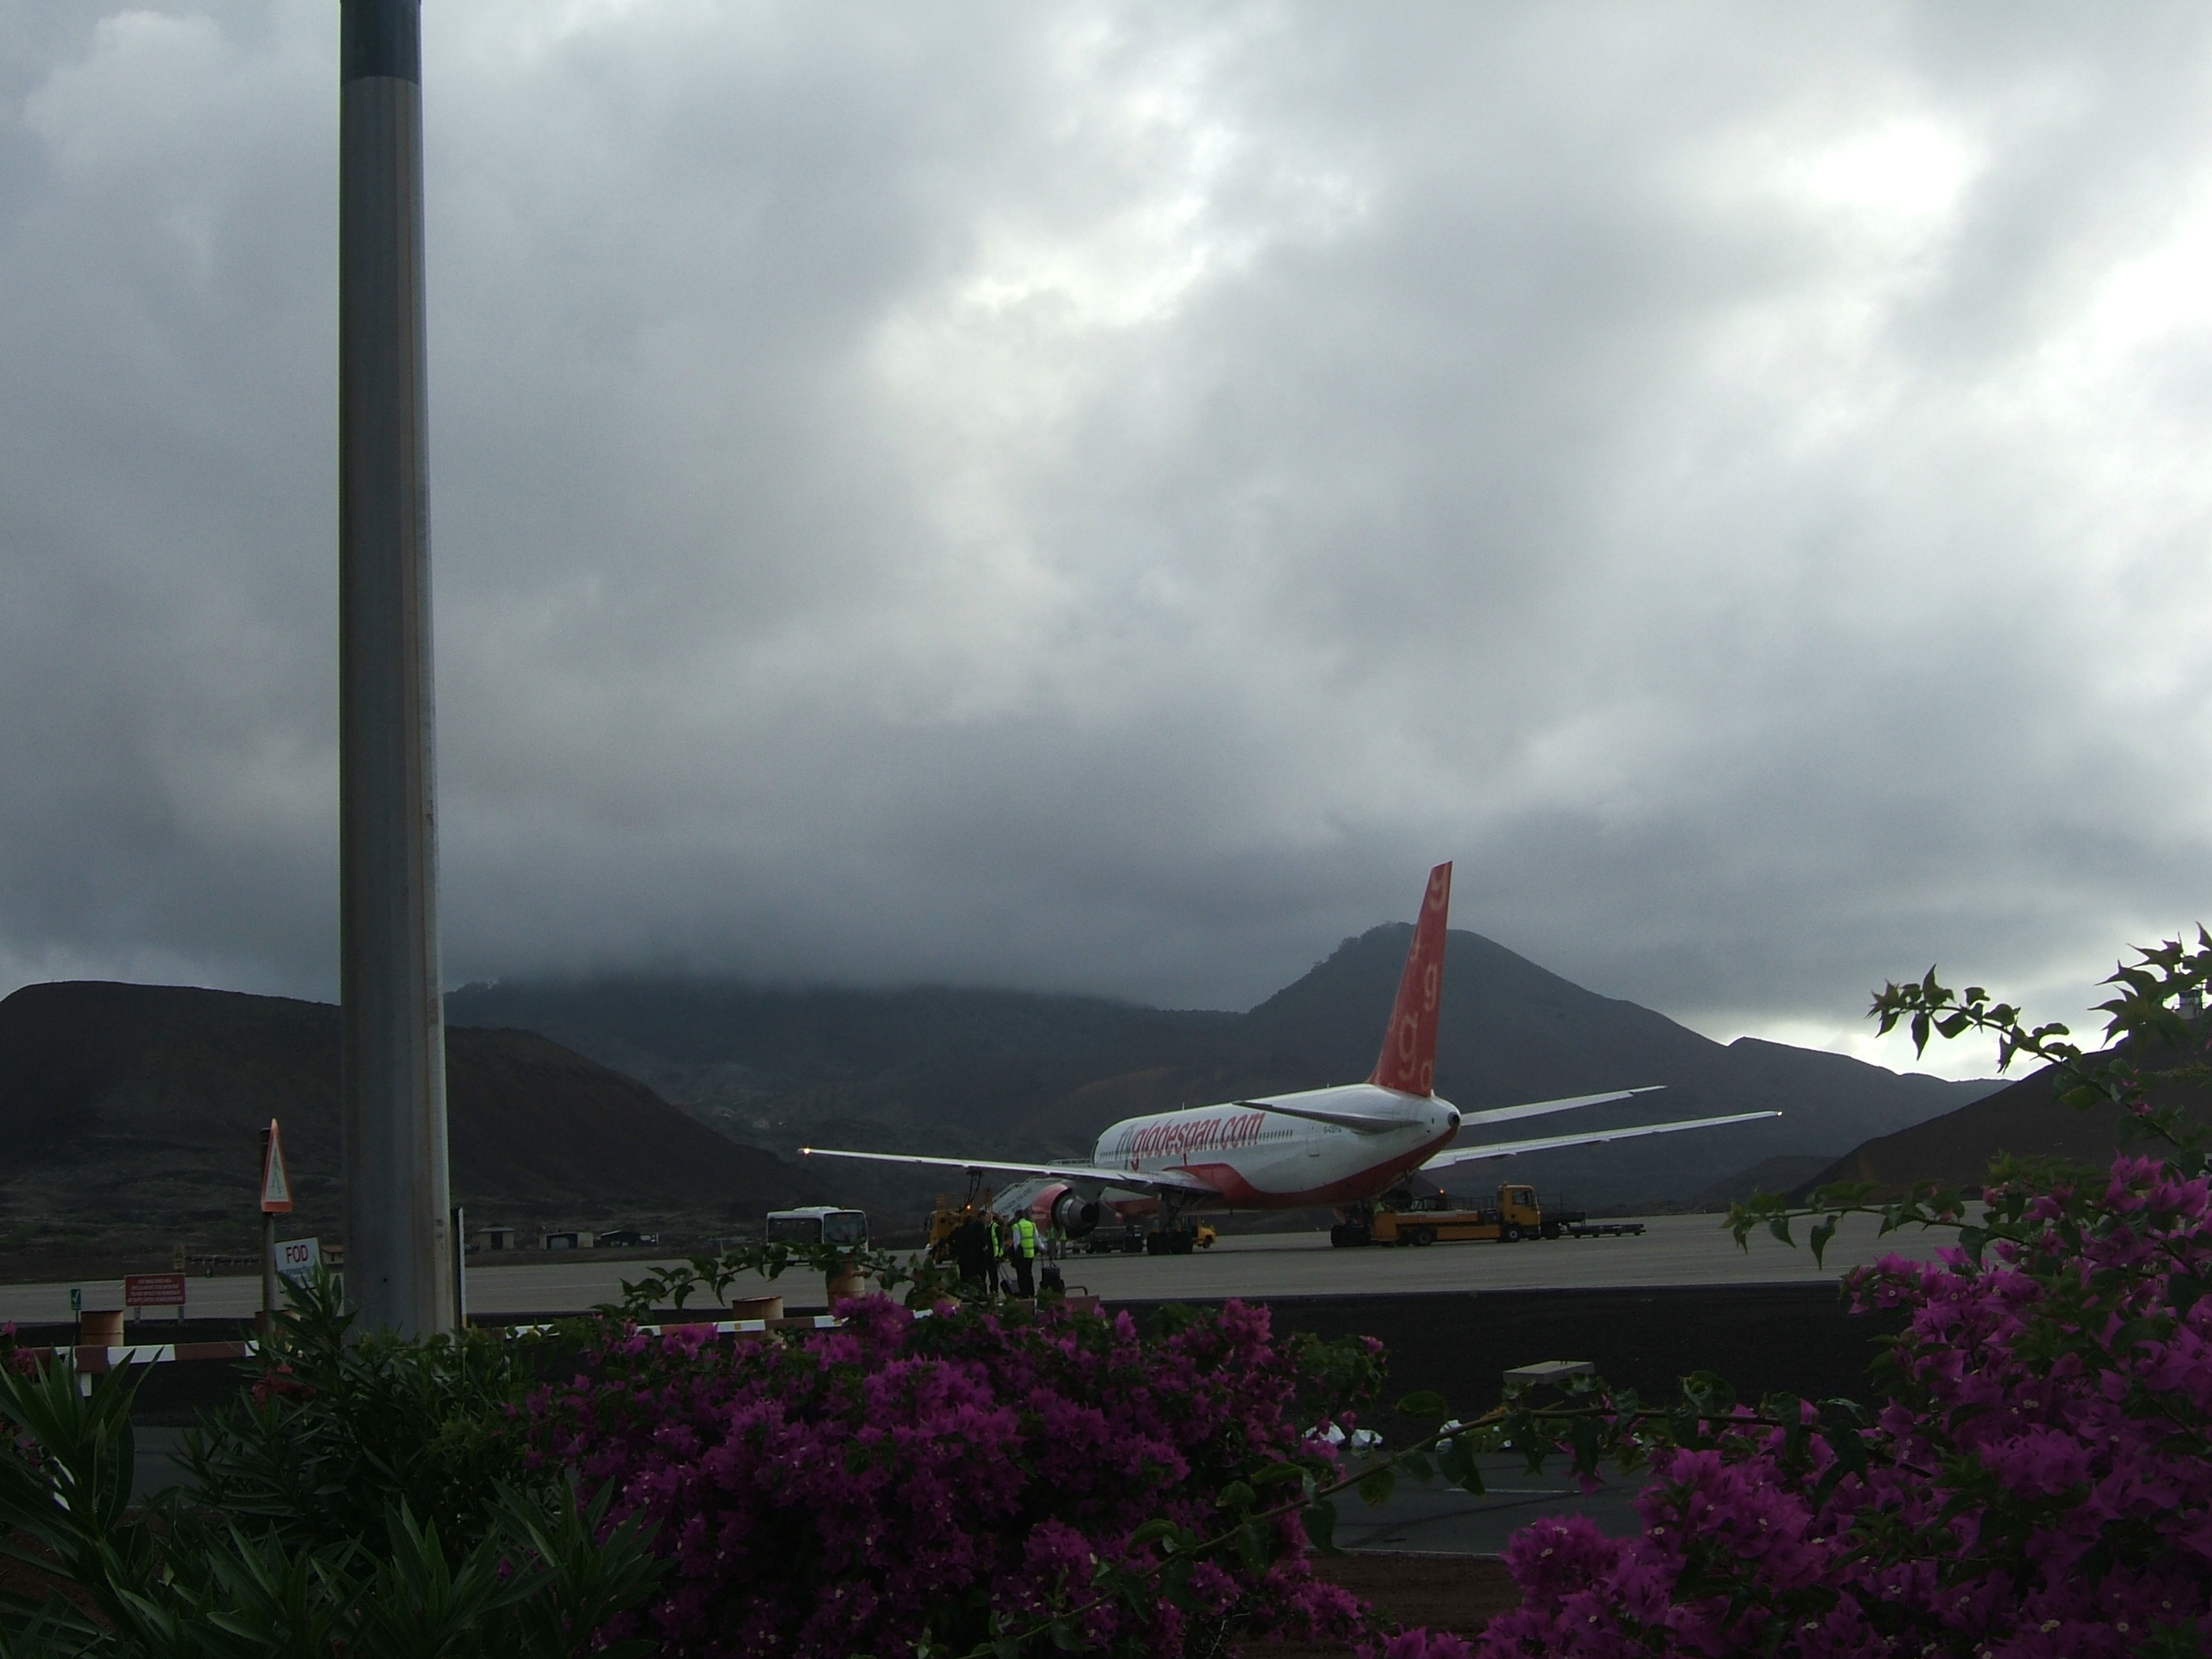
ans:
(1343, 1146)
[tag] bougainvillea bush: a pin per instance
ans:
(925, 1485)
(2039, 1482)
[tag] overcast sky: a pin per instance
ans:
(1102, 497)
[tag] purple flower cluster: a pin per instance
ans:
(15, 1358)
(2038, 1485)
(905, 1484)
(1419, 1644)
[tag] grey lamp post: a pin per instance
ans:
(392, 1058)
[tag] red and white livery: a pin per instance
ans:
(1343, 1145)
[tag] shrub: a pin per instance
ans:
(927, 1485)
(330, 1434)
(2039, 1480)
(319, 1521)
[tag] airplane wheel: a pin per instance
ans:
(1424, 1234)
(1513, 1234)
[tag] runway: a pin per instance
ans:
(1675, 1250)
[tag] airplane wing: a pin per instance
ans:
(1134, 1181)
(1374, 1123)
(1459, 1155)
(1362, 1123)
(1539, 1108)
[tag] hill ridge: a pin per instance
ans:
(132, 1111)
(1513, 1031)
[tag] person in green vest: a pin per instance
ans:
(1024, 1253)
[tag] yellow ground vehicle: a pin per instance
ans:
(1516, 1215)
(945, 1220)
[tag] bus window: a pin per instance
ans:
(817, 1223)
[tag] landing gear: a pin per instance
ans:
(1174, 1236)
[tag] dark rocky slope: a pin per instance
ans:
(129, 1117)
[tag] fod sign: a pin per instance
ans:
(298, 1258)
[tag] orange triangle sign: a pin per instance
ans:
(276, 1185)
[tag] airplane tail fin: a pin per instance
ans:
(1408, 1060)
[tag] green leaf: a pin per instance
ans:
(1586, 1433)
(1269, 1475)
(1255, 1539)
(1376, 1485)
(1710, 1392)
(1461, 1468)
(1426, 1402)
(1320, 1520)
(1823, 1230)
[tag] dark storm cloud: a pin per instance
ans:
(1103, 498)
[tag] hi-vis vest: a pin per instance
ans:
(1025, 1236)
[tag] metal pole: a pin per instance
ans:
(393, 1063)
(460, 1267)
(267, 1322)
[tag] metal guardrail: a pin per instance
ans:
(92, 1360)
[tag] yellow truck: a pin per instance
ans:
(1516, 1215)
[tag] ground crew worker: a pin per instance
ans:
(971, 1249)
(1026, 1249)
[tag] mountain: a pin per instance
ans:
(1029, 1076)
(130, 1115)
(2025, 1119)
(1771, 1175)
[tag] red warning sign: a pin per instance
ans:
(153, 1290)
(275, 1184)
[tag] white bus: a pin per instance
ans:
(817, 1223)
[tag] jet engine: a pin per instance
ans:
(1060, 1206)
(1074, 1215)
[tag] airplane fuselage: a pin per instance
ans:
(1257, 1159)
